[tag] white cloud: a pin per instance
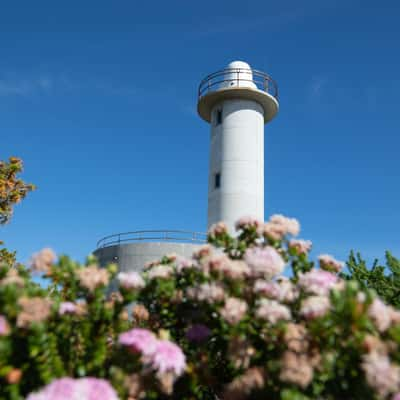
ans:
(12, 85)
(24, 87)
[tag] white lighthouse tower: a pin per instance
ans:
(237, 101)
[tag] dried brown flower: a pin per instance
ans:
(43, 260)
(134, 385)
(296, 369)
(14, 376)
(12, 278)
(242, 386)
(93, 277)
(296, 338)
(34, 309)
(240, 352)
(140, 313)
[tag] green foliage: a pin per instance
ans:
(384, 279)
(12, 188)
(12, 191)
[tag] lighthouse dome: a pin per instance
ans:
(238, 74)
(238, 64)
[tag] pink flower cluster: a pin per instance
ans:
(381, 374)
(234, 310)
(217, 229)
(130, 280)
(208, 292)
(234, 269)
(278, 226)
(315, 307)
(247, 222)
(183, 263)
(161, 355)
(264, 262)
(282, 290)
(67, 307)
(382, 315)
(160, 272)
(300, 246)
(317, 282)
(139, 340)
(272, 311)
(76, 389)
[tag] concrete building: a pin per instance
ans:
(237, 101)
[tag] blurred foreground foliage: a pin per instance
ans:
(248, 317)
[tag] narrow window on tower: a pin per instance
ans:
(218, 117)
(217, 180)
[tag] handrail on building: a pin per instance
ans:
(164, 235)
(223, 78)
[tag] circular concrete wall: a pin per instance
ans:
(133, 256)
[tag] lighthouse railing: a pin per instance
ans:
(238, 78)
(165, 235)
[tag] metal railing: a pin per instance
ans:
(238, 77)
(151, 236)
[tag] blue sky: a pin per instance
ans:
(99, 99)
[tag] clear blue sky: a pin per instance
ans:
(99, 99)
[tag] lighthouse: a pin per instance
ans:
(237, 102)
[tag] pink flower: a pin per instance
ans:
(160, 271)
(67, 307)
(76, 389)
(282, 290)
(139, 340)
(300, 246)
(267, 288)
(396, 396)
(314, 307)
(317, 282)
(234, 269)
(168, 358)
(203, 252)
(4, 327)
(328, 263)
(288, 225)
(264, 262)
(217, 229)
(98, 389)
(130, 280)
(208, 292)
(247, 222)
(183, 263)
(381, 314)
(234, 310)
(272, 311)
(381, 374)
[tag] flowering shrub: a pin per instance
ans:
(247, 317)
(249, 332)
